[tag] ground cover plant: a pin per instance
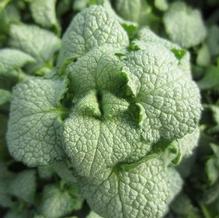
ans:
(109, 109)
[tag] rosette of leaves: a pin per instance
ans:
(116, 110)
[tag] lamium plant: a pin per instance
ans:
(121, 111)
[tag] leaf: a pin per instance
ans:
(210, 79)
(63, 171)
(182, 56)
(212, 170)
(94, 144)
(3, 4)
(44, 13)
(215, 111)
(92, 214)
(5, 97)
(23, 186)
(129, 9)
(134, 192)
(171, 111)
(162, 5)
(91, 28)
(203, 56)
(102, 70)
(182, 24)
(183, 206)
(5, 201)
(35, 121)
(12, 60)
(58, 202)
(39, 43)
(213, 40)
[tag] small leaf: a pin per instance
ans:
(184, 25)
(11, 60)
(44, 13)
(161, 4)
(23, 186)
(210, 79)
(203, 57)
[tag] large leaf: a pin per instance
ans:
(35, 121)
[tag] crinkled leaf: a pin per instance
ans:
(102, 70)
(12, 60)
(182, 56)
(143, 191)
(91, 28)
(170, 99)
(184, 25)
(36, 121)
(95, 144)
(44, 13)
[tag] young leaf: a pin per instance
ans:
(91, 28)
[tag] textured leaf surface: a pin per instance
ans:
(171, 111)
(140, 192)
(35, 121)
(91, 28)
(99, 69)
(95, 144)
(184, 25)
(147, 36)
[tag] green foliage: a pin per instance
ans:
(109, 114)
(184, 25)
(59, 201)
(116, 118)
